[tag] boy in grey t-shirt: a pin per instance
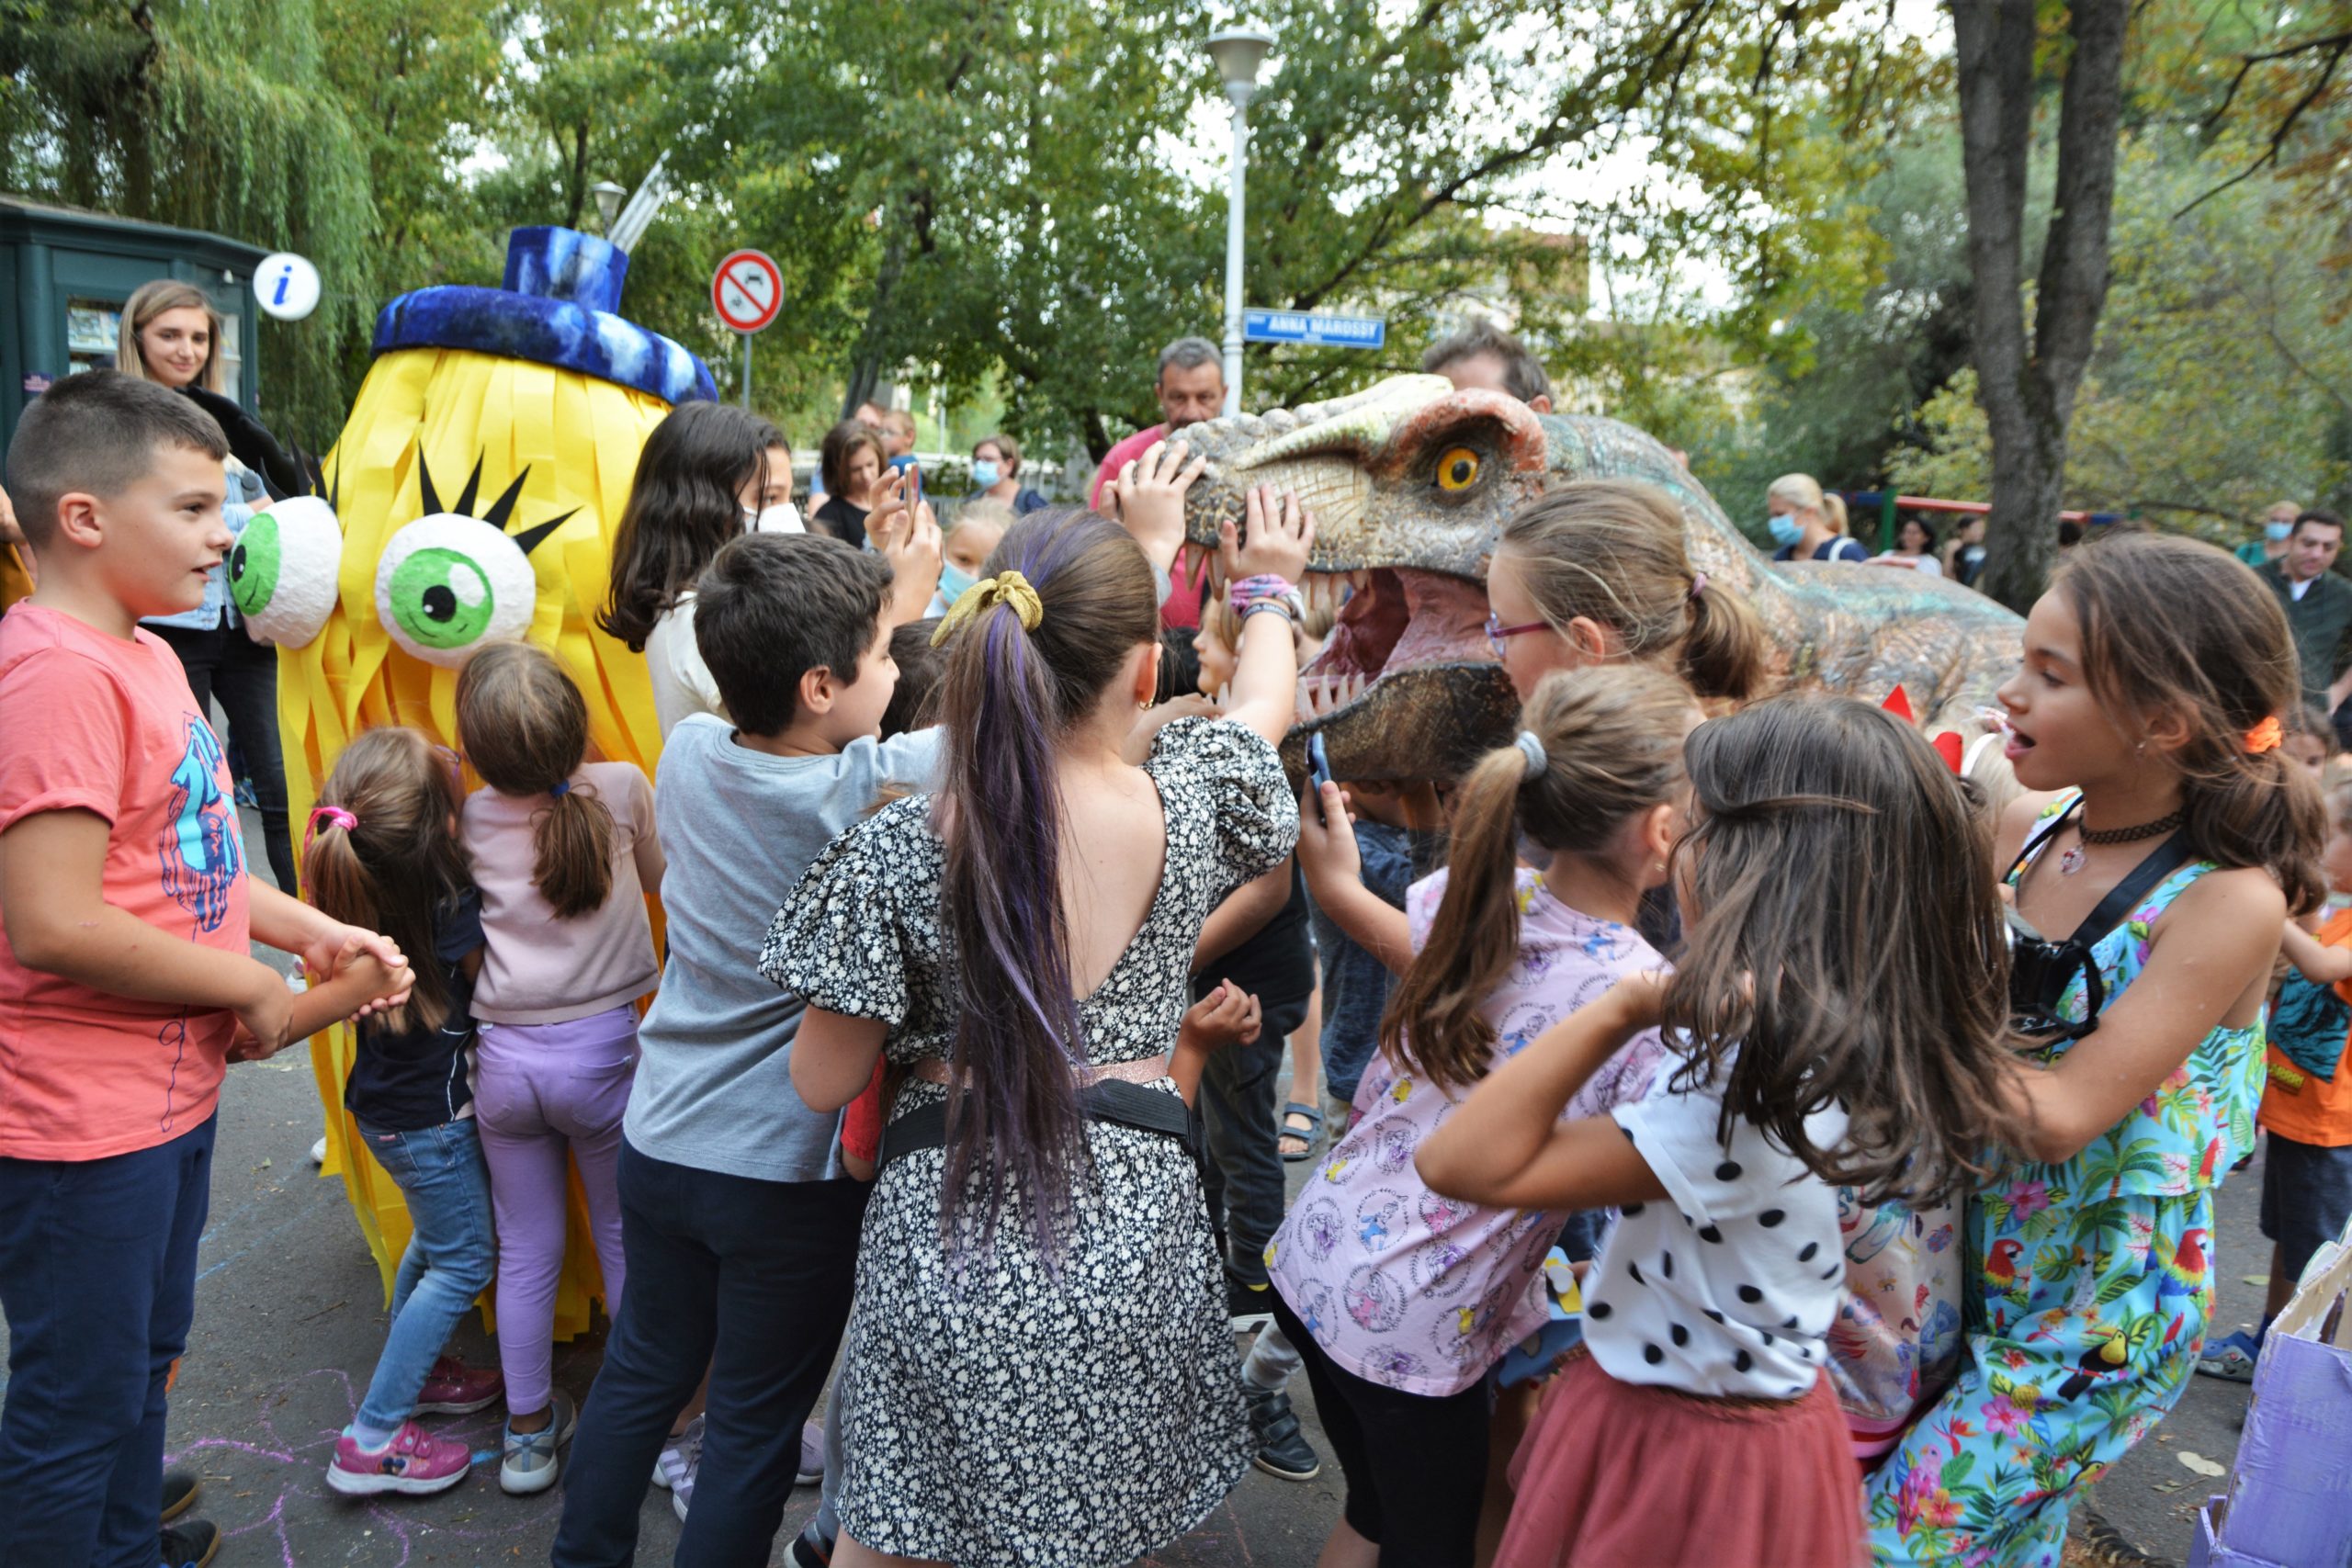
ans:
(740, 1224)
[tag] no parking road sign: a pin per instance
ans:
(747, 291)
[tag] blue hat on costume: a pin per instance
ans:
(557, 307)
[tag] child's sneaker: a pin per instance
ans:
(812, 1455)
(2231, 1360)
(679, 1454)
(180, 1486)
(530, 1463)
(191, 1543)
(415, 1462)
(457, 1389)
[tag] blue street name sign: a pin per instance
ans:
(1314, 327)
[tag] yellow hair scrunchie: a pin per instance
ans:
(1004, 588)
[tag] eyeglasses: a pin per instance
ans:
(1498, 633)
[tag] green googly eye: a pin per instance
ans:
(282, 570)
(450, 584)
(442, 599)
(253, 566)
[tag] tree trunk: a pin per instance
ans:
(865, 361)
(2027, 385)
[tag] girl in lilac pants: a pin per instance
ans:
(564, 851)
(546, 1089)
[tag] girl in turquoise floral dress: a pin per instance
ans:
(2155, 672)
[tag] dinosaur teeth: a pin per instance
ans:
(1304, 711)
(1359, 579)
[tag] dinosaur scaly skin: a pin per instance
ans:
(1412, 483)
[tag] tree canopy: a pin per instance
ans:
(1018, 201)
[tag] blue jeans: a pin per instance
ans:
(450, 1259)
(749, 1278)
(97, 1277)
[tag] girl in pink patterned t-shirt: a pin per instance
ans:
(1399, 1301)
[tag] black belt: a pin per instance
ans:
(1107, 1100)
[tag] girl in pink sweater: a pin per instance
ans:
(564, 852)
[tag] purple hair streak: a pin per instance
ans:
(1010, 698)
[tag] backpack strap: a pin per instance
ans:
(2125, 895)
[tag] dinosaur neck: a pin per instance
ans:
(1589, 447)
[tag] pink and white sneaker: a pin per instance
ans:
(415, 1462)
(457, 1389)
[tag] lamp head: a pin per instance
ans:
(609, 199)
(1238, 53)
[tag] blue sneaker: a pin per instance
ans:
(2232, 1358)
(245, 795)
(529, 1463)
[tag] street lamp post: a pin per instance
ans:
(1237, 51)
(609, 201)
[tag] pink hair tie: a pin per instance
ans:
(1698, 583)
(335, 815)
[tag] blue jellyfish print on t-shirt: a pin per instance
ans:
(201, 851)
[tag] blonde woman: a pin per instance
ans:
(1806, 524)
(170, 334)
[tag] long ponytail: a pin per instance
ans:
(1019, 676)
(1611, 741)
(523, 726)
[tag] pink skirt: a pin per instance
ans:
(1625, 1475)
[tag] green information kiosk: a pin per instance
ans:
(68, 270)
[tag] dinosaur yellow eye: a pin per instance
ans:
(1457, 470)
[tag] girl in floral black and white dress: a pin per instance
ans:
(1039, 1365)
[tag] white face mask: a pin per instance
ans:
(782, 518)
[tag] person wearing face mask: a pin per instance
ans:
(2278, 528)
(1808, 525)
(708, 473)
(996, 476)
(964, 547)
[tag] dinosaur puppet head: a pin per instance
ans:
(1412, 481)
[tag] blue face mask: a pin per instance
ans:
(2278, 533)
(953, 581)
(985, 474)
(1784, 528)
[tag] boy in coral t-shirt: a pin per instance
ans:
(126, 984)
(2307, 1105)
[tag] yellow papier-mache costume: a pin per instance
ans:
(477, 486)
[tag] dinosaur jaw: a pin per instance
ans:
(1406, 686)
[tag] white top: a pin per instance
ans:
(1729, 1286)
(1926, 566)
(683, 684)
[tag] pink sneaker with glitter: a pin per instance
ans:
(457, 1389)
(414, 1461)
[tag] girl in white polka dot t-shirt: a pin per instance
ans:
(1400, 1302)
(1836, 1018)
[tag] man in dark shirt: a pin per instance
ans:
(2318, 603)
